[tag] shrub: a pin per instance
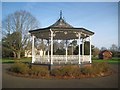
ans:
(39, 71)
(69, 71)
(101, 67)
(56, 72)
(95, 69)
(87, 70)
(19, 67)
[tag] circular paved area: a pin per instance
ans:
(9, 81)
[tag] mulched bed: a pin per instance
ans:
(60, 77)
(66, 72)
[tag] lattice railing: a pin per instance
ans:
(61, 59)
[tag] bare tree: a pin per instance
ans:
(22, 22)
(103, 48)
(55, 45)
(62, 44)
(114, 47)
(96, 52)
(114, 50)
(0, 30)
(119, 48)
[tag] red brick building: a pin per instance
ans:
(106, 54)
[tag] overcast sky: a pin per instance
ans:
(99, 17)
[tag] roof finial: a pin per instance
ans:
(60, 14)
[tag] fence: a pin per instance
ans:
(72, 59)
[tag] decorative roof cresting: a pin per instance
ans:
(61, 23)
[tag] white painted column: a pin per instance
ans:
(66, 51)
(82, 50)
(51, 62)
(72, 49)
(33, 49)
(79, 35)
(90, 49)
(48, 52)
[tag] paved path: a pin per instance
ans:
(10, 81)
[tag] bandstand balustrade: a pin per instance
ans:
(73, 59)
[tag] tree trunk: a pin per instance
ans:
(14, 55)
(18, 55)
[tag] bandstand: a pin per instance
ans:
(61, 30)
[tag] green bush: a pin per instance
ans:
(19, 67)
(39, 71)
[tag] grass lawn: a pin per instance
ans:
(11, 60)
(111, 61)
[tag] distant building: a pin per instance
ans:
(28, 53)
(105, 54)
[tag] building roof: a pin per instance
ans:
(62, 30)
(61, 23)
(106, 51)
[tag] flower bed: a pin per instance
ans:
(68, 71)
